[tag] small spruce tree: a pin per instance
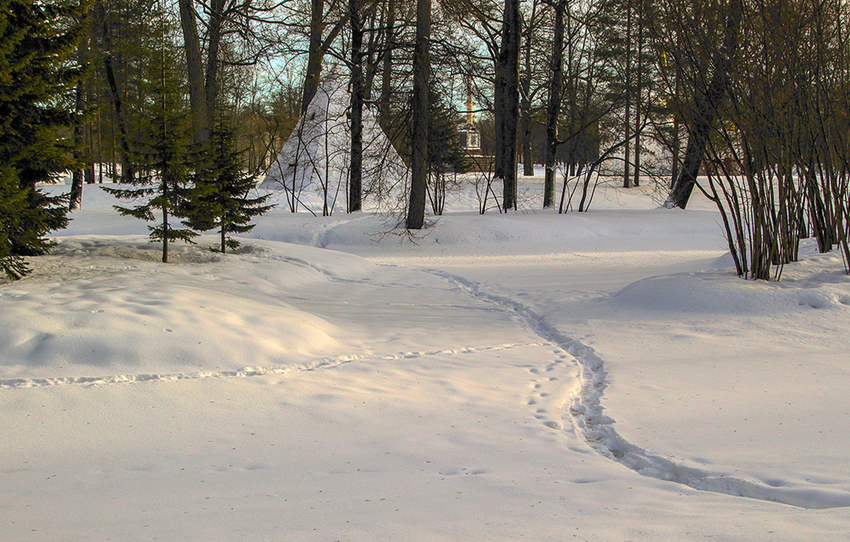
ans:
(162, 152)
(37, 43)
(221, 197)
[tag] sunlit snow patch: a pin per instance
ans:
(106, 308)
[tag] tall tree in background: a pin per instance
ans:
(627, 110)
(639, 82)
(76, 195)
(421, 75)
(211, 29)
(197, 92)
(116, 93)
(507, 103)
(38, 77)
(319, 45)
(315, 53)
(387, 64)
(355, 178)
(553, 106)
(528, 88)
(709, 91)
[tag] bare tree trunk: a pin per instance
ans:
(527, 152)
(374, 21)
(318, 47)
(499, 122)
(421, 74)
(315, 55)
(355, 179)
(707, 104)
(554, 105)
(165, 228)
(197, 91)
(76, 196)
(638, 90)
(627, 179)
(211, 85)
(677, 144)
(88, 172)
(527, 160)
(509, 75)
(117, 102)
(387, 60)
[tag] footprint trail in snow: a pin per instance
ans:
(588, 417)
(244, 372)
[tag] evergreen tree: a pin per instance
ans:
(13, 201)
(220, 199)
(162, 153)
(37, 80)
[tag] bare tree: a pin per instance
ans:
(115, 93)
(319, 45)
(355, 181)
(507, 103)
(529, 87)
(553, 106)
(708, 99)
(421, 69)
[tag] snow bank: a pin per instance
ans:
(107, 306)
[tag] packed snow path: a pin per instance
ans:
(587, 413)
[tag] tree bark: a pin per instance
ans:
(506, 145)
(499, 121)
(355, 179)
(315, 54)
(165, 227)
(676, 141)
(627, 178)
(554, 105)
(419, 159)
(211, 86)
(197, 90)
(387, 60)
(525, 104)
(76, 196)
(707, 110)
(318, 47)
(117, 103)
(638, 90)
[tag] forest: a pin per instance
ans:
(182, 105)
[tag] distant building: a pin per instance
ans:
(470, 138)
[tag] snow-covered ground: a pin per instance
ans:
(602, 376)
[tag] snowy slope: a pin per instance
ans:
(601, 376)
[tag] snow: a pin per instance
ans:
(601, 376)
(313, 165)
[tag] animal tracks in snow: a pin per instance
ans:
(245, 372)
(588, 417)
